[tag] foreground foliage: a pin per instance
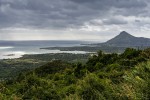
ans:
(123, 76)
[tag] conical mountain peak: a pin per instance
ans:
(125, 34)
(125, 39)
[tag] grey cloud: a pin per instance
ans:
(115, 21)
(113, 3)
(60, 14)
(137, 21)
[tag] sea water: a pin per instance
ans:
(15, 49)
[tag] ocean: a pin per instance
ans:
(16, 49)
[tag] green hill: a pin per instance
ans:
(123, 76)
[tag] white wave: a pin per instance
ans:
(6, 47)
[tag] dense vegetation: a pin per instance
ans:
(9, 68)
(113, 76)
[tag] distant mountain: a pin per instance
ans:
(125, 39)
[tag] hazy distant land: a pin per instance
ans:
(115, 45)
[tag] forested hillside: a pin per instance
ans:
(113, 76)
(10, 68)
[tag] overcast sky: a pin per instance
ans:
(73, 19)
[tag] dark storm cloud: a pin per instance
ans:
(115, 21)
(59, 14)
